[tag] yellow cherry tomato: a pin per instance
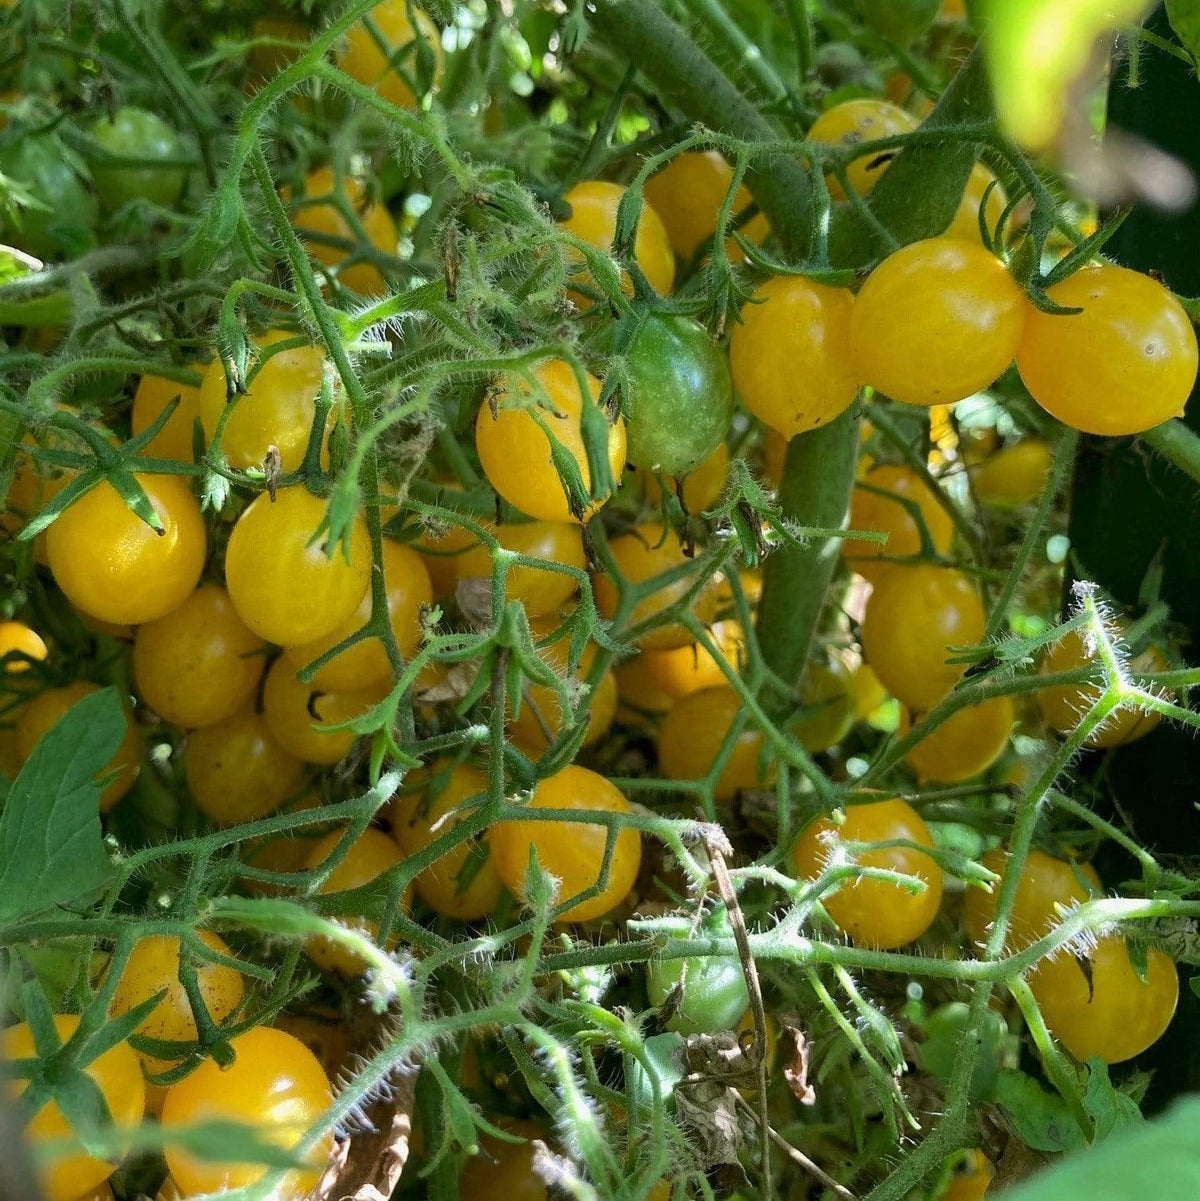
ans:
(571, 851)
(882, 512)
(1106, 1009)
(119, 1079)
(365, 664)
(937, 321)
(152, 966)
(526, 728)
(687, 194)
(378, 229)
(281, 582)
(39, 713)
(850, 124)
(284, 853)
(646, 552)
(826, 691)
(539, 590)
(275, 1085)
(1013, 476)
(464, 883)
(440, 553)
(875, 913)
(277, 409)
(867, 691)
(690, 668)
(504, 1170)
(1125, 363)
(971, 1183)
(1064, 705)
(300, 716)
(1047, 889)
(237, 772)
(18, 646)
(392, 74)
(372, 854)
(915, 615)
(966, 744)
(514, 449)
(111, 564)
(174, 440)
(593, 220)
(791, 320)
(692, 733)
(198, 665)
(639, 696)
(702, 486)
(965, 222)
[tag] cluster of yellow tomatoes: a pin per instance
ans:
(225, 631)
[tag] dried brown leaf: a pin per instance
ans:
(796, 1071)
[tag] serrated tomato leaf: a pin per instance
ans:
(51, 850)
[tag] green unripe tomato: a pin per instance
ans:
(680, 398)
(41, 166)
(714, 992)
(944, 1032)
(900, 21)
(135, 134)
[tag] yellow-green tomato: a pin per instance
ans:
(200, 664)
(714, 992)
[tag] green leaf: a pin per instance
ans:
(1111, 1109)
(1184, 16)
(1040, 1119)
(1157, 1159)
(50, 844)
(944, 1034)
(1037, 49)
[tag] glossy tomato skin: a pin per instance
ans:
(1062, 706)
(276, 1085)
(302, 718)
(365, 664)
(154, 393)
(526, 730)
(714, 992)
(571, 851)
(286, 590)
(937, 321)
(687, 194)
(883, 512)
(237, 772)
(1124, 364)
(646, 552)
(540, 591)
(680, 399)
(1046, 885)
(970, 1184)
(966, 744)
(1013, 476)
(362, 58)
(327, 218)
(913, 617)
(593, 220)
(39, 713)
(153, 965)
(515, 451)
(853, 122)
(112, 565)
(702, 486)
(22, 644)
(119, 1078)
(690, 668)
(39, 165)
(965, 222)
(200, 664)
(458, 885)
(875, 913)
(1114, 1014)
(792, 320)
(136, 133)
(368, 858)
(277, 409)
(691, 736)
(640, 698)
